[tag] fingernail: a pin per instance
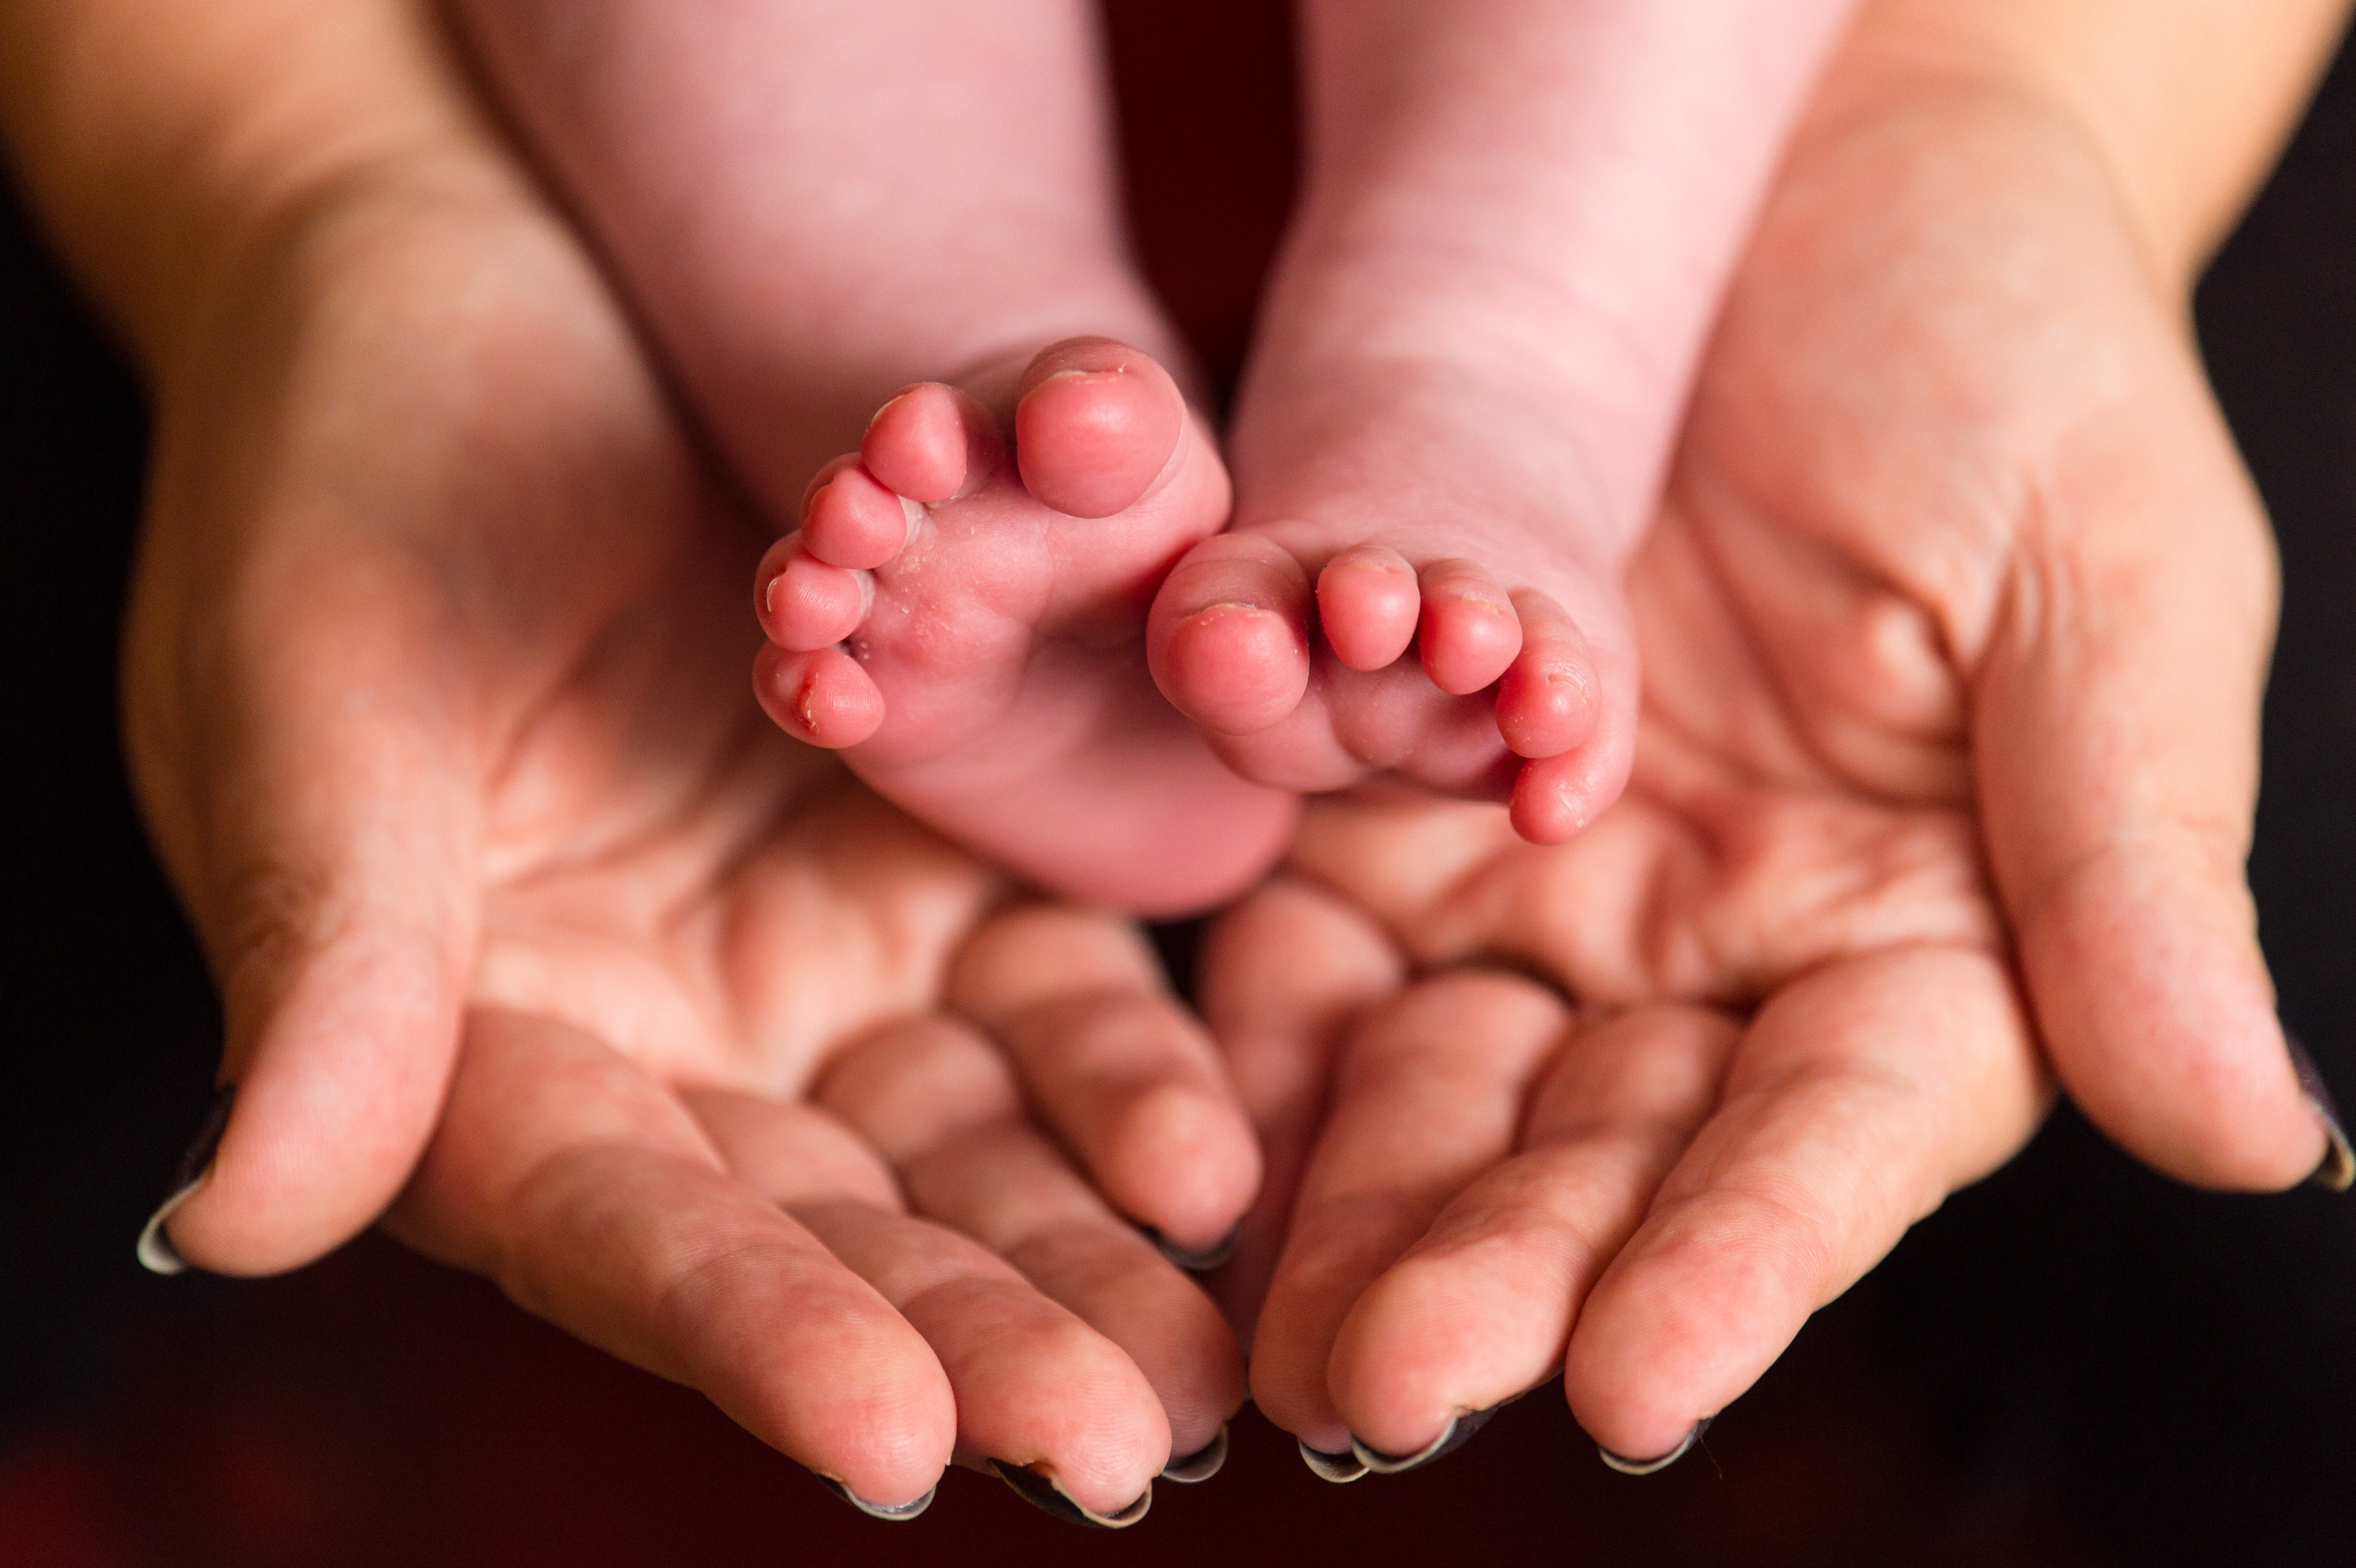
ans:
(155, 1249)
(2338, 1170)
(1339, 1468)
(1195, 1260)
(895, 1512)
(1454, 1435)
(1043, 1492)
(1627, 1466)
(1201, 1464)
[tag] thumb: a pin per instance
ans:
(2116, 733)
(317, 812)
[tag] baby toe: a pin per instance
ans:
(1546, 701)
(1096, 423)
(1228, 638)
(1555, 797)
(1469, 632)
(920, 444)
(807, 604)
(822, 697)
(854, 520)
(1367, 606)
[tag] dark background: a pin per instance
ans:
(2075, 1362)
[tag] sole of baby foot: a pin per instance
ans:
(1314, 662)
(962, 614)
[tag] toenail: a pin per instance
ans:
(1216, 606)
(892, 402)
(810, 502)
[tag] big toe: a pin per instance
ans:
(1228, 638)
(1095, 423)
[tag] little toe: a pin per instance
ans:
(1546, 701)
(1096, 423)
(1555, 797)
(1367, 606)
(853, 519)
(822, 697)
(921, 443)
(1469, 631)
(806, 605)
(1227, 636)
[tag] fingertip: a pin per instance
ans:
(335, 1101)
(886, 1430)
(1410, 1346)
(1183, 1161)
(2159, 1016)
(806, 1357)
(1682, 1323)
(1287, 1374)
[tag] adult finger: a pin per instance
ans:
(1284, 977)
(596, 1201)
(1042, 1399)
(1115, 1067)
(304, 778)
(1428, 1095)
(1859, 1098)
(1480, 1308)
(312, 710)
(942, 1104)
(2117, 719)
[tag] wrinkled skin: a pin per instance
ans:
(1954, 626)
(1955, 622)
(437, 706)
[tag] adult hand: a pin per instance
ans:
(1955, 629)
(438, 706)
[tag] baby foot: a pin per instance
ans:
(962, 614)
(1385, 517)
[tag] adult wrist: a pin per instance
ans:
(2185, 103)
(171, 148)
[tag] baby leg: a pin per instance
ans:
(1517, 223)
(815, 205)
